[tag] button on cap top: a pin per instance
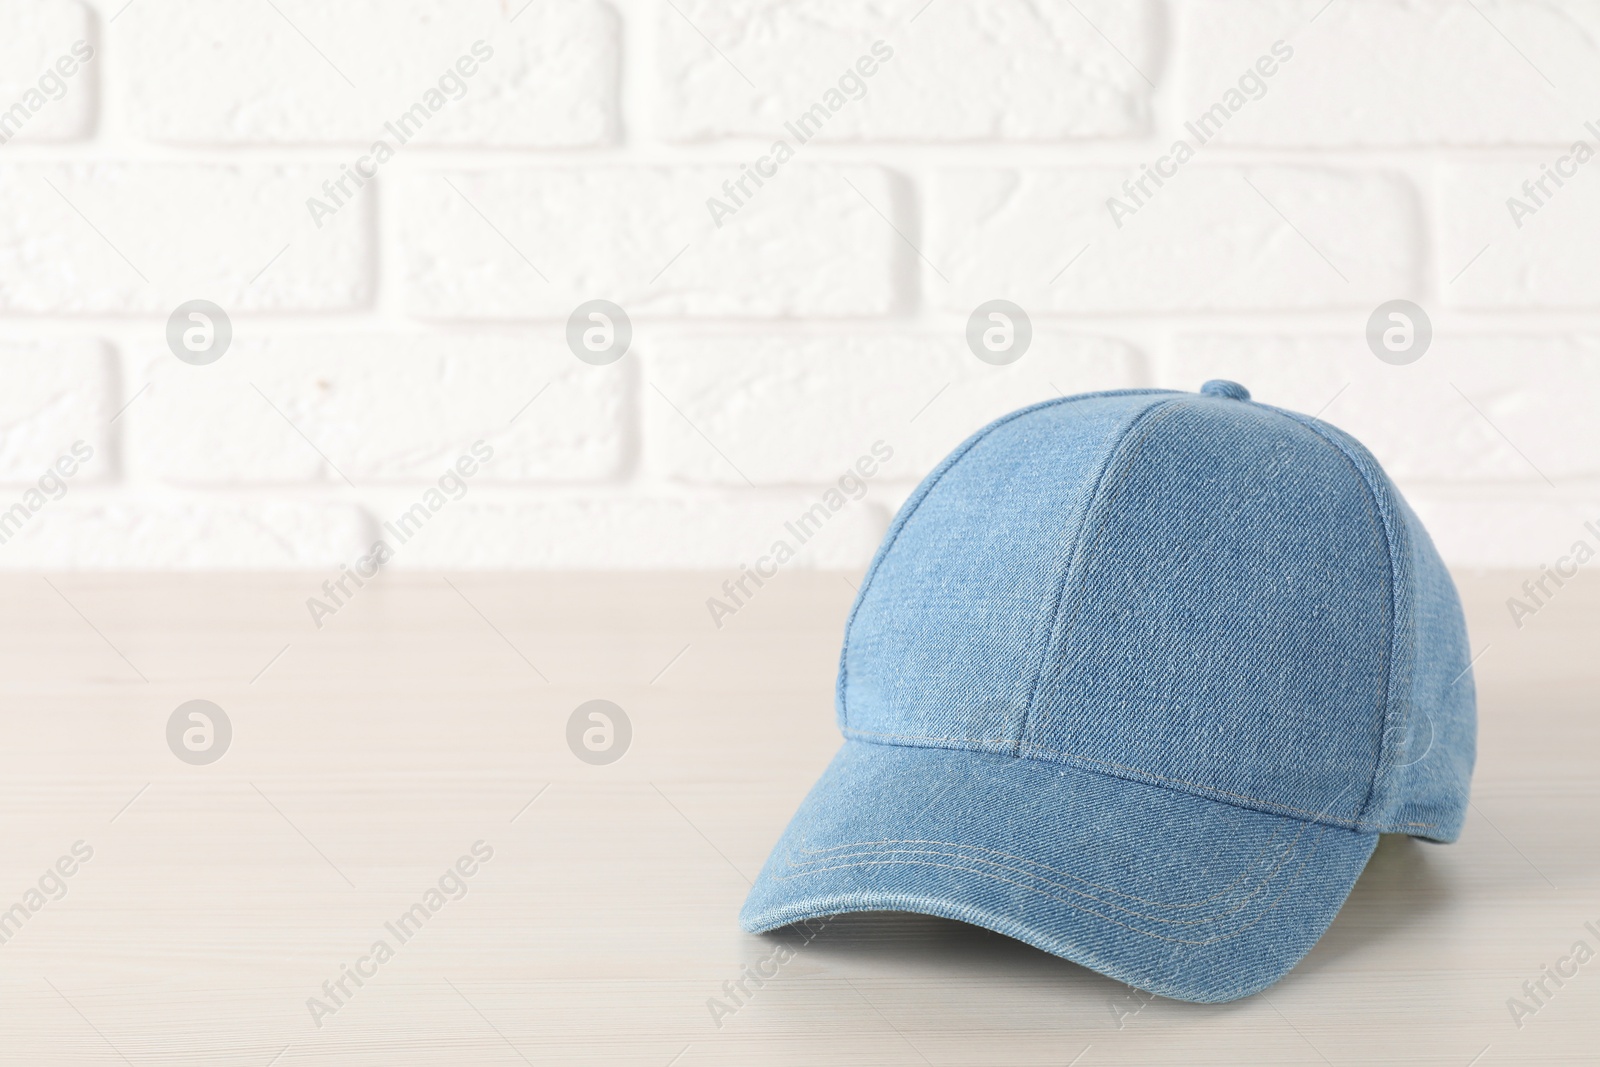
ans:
(1224, 388)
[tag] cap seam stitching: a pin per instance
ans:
(864, 848)
(1160, 937)
(1391, 649)
(1380, 534)
(1321, 817)
(968, 863)
(922, 493)
(1125, 443)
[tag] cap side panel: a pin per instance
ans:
(946, 633)
(1401, 654)
(1424, 790)
(1131, 438)
(1229, 629)
(1420, 786)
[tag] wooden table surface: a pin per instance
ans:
(429, 714)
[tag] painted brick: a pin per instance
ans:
(1473, 409)
(1377, 73)
(1536, 252)
(802, 410)
(48, 87)
(252, 78)
(134, 238)
(54, 393)
(807, 243)
(380, 408)
(1209, 239)
(959, 71)
(396, 322)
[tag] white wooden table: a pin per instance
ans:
(430, 713)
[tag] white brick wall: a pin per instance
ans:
(1410, 74)
(1211, 239)
(262, 85)
(808, 246)
(121, 238)
(1002, 70)
(37, 37)
(958, 151)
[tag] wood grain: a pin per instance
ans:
(370, 754)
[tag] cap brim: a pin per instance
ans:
(1168, 892)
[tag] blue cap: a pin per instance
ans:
(1139, 678)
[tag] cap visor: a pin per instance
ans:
(1168, 892)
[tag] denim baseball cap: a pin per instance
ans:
(1138, 678)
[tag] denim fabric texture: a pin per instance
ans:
(1139, 678)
